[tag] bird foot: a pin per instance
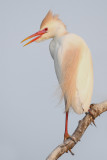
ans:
(67, 136)
(89, 112)
(71, 152)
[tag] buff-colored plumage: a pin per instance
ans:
(77, 74)
(73, 64)
(72, 61)
(69, 67)
(50, 18)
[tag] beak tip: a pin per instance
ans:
(39, 34)
(25, 44)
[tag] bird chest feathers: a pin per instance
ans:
(71, 54)
(57, 55)
(72, 61)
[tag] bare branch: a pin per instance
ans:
(95, 111)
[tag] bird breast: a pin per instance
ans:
(57, 55)
(73, 66)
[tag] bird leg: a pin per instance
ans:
(66, 135)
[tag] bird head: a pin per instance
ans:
(50, 27)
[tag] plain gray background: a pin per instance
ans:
(31, 121)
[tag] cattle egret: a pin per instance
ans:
(73, 64)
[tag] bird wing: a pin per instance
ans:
(76, 74)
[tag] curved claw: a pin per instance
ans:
(71, 152)
(89, 112)
(67, 136)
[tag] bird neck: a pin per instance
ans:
(60, 31)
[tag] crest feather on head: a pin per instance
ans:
(50, 17)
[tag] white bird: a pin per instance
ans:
(73, 64)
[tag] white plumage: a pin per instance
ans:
(81, 98)
(72, 61)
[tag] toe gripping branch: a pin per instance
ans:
(74, 142)
(71, 138)
(90, 113)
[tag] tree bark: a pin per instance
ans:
(67, 145)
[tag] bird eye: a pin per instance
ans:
(46, 29)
